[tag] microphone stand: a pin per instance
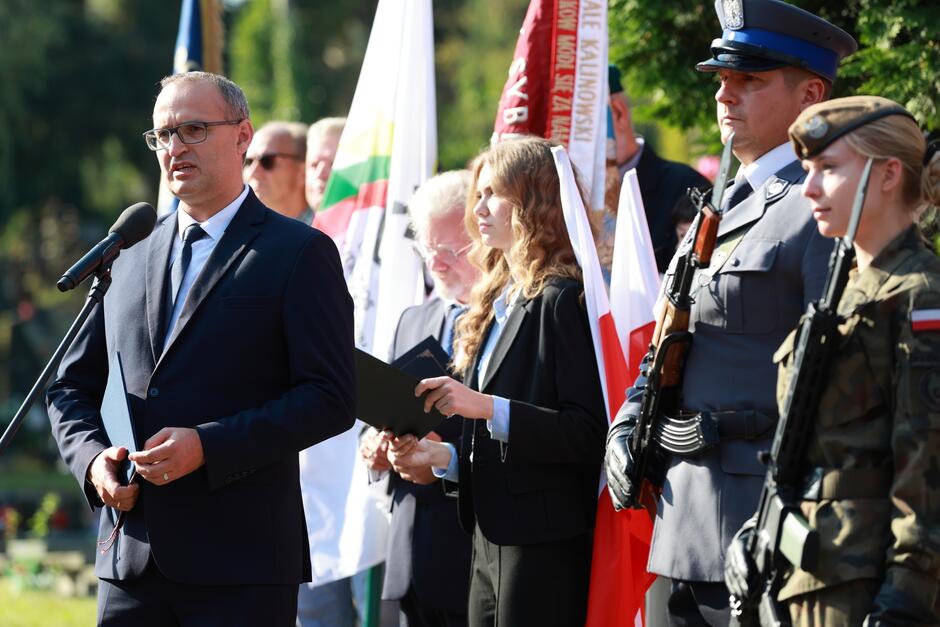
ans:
(99, 288)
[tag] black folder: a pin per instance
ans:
(386, 393)
(116, 415)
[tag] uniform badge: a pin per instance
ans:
(816, 127)
(734, 14)
(775, 187)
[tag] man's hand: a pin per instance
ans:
(171, 453)
(618, 461)
(452, 397)
(102, 473)
(413, 458)
(741, 575)
(373, 447)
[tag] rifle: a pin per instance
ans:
(783, 535)
(665, 360)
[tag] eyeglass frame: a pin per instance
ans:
(272, 156)
(429, 252)
(174, 130)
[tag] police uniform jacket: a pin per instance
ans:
(746, 302)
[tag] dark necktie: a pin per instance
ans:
(739, 191)
(193, 233)
(450, 323)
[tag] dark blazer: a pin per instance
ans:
(426, 548)
(662, 184)
(542, 485)
(260, 364)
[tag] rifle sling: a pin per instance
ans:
(848, 483)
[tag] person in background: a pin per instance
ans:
(662, 182)
(875, 438)
(322, 142)
(274, 168)
(532, 407)
(428, 564)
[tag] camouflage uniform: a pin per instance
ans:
(878, 438)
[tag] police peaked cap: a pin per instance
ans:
(762, 35)
(825, 122)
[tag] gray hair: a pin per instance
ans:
(231, 93)
(325, 127)
(296, 131)
(439, 196)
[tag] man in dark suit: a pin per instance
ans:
(232, 364)
(773, 61)
(662, 182)
(428, 563)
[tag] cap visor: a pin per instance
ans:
(739, 63)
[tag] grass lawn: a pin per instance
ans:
(34, 609)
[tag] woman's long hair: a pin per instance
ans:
(523, 173)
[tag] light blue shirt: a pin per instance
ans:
(498, 426)
(201, 249)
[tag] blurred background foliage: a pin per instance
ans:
(79, 78)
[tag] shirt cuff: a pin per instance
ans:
(451, 473)
(499, 425)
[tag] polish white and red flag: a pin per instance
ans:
(925, 320)
(619, 579)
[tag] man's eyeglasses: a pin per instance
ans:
(266, 161)
(188, 132)
(447, 254)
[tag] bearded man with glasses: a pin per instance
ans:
(232, 364)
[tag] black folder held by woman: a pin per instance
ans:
(386, 392)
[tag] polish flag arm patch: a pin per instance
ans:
(925, 320)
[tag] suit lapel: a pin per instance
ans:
(158, 261)
(240, 232)
(753, 207)
(506, 338)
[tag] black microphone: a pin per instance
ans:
(134, 224)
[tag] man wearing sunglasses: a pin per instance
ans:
(232, 364)
(274, 168)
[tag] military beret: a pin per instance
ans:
(823, 123)
(763, 35)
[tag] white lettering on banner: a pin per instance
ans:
(565, 54)
(568, 14)
(564, 82)
(517, 67)
(515, 115)
(593, 16)
(516, 89)
(585, 110)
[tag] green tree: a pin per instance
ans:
(657, 45)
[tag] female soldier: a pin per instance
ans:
(875, 448)
(534, 428)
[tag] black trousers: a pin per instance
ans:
(155, 601)
(536, 584)
(414, 613)
(698, 604)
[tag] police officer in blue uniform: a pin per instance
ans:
(772, 61)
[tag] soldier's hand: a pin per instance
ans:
(618, 461)
(741, 575)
